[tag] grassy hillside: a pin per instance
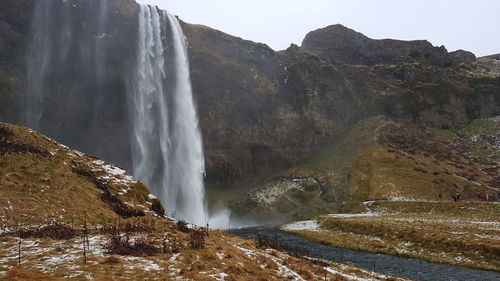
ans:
(42, 181)
(68, 215)
(380, 158)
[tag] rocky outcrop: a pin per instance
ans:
(463, 56)
(490, 65)
(341, 45)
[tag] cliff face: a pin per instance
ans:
(260, 110)
(14, 26)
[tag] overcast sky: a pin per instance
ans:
(472, 25)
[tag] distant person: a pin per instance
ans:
(440, 195)
(487, 196)
(457, 196)
(480, 196)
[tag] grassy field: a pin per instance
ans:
(457, 233)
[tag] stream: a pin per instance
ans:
(390, 265)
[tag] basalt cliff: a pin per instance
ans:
(261, 111)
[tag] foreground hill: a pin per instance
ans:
(68, 215)
(42, 180)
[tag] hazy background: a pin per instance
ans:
(457, 24)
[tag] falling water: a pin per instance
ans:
(167, 148)
(38, 58)
(66, 44)
(70, 41)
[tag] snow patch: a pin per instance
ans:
(404, 199)
(273, 192)
(345, 275)
(174, 257)
(354, 215)
(282, 270)
(219, 276)
(302, 225)
(220, 256)
(114, 174)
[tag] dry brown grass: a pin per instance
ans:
(43, 182)
(238, 258)
(21, 274)
(440, 234)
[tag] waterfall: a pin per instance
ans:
(37, 60)
(76, 83)
(167, 153)
(67, 43)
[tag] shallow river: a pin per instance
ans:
(391, 265)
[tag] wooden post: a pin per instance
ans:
(19, 251)
(85, 239)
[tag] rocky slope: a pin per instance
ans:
(68, 215)
(380, 158)
(341, 45)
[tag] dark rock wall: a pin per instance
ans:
(260, 110)
(15, 18)
(80, 107)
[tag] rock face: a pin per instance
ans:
(463, 56)
(260, 111)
